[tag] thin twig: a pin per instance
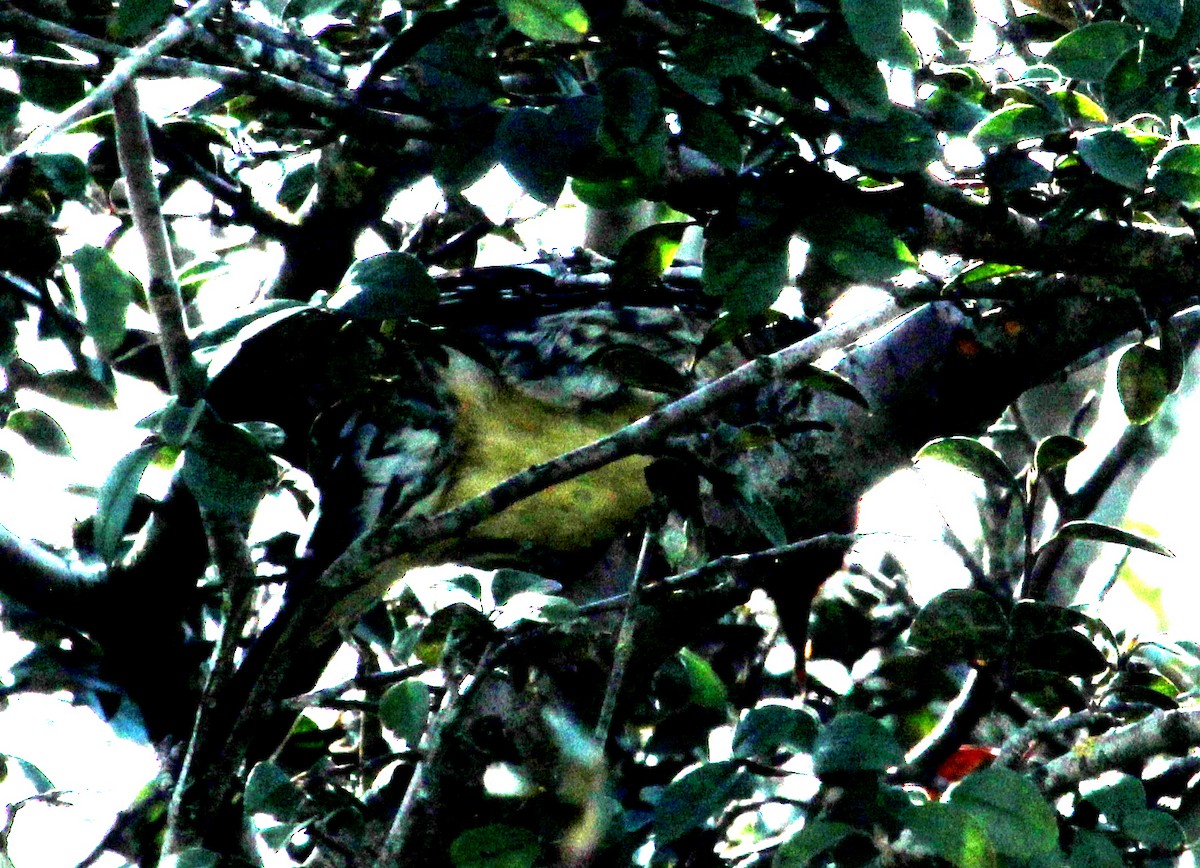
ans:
(123, 73)
(623, 651)
(360, 682)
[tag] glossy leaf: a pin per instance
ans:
(1107, 533)
(526, 146)
(1056, 451)
(548, 20)
(106, 290)
(136, 18)
(40, 431)
(953, 834)
(387, 286)
(115, 501)
(1143, 382)
(495, 846)
(972, 456)
(876, 28)
(1161, 17)
(506, 583)
(903, 142)
(960, 625)
(1114, 156)
(1089, 52)
(770, 728)
(708, 691)
(822, 380)
(1014, 123)
(404, 708)
(270, 790)
(77, 388)
(226, 469)
(747, 269)
(1018, 820)
(690, 801)
(854, 742)
(817, 837)
(1176, 172)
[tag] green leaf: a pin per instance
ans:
(35, 775)
(192, 857)
(724, 48)
(857, 244)
(688, 802)
(1014, 123)
(708, 691)
(1161, 17)
(770, 728)
(972, 456)
(1093, 850)
(1018, 820)
(960, 624)
(67, 175)
(747, 268)
(507, 583)
(852, 79)
(1051, 453)
(52, 89)
(136, 18)
(1107, 533)
(115, 501)
(1176, 172)
(226, 469)
(1154, 829)
(404, 708)
(987, 271)
(903, 142)
(1065, 652)
(817, 837)
(708, 131)
(821, 380)
(647, 253)
(7, 465)
(495, 846)
(455, 74)
(631, 104)
(876, 28)
(1090, 52)
(106, 290)
(1114, 156)
(1143, 382)
(270, 790)
(548, 20)
(1116, 795)
(387, 286)
(527, 147)
(77, 388)
(296, 186)
(855, 742)
(951, 833)
(40, 431)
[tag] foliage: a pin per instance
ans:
(610, 692)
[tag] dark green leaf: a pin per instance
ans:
(1113, 155)
(972, 456)
(1161, 17)
(296, 186)
(723, 48)
(857, 244)
(269, 790)
(1116, 795)
(708, 131)
(192, 857)
(198, 273)
(855, 742)
(817, 837)
(1107, 533)
(136, 18)
(40, 431)
(770, 728)
(852, 78)
(1155, 829)
(404, 708)
(106, 290)
(226, 469)
(747, 268)
(548, 20)
(1089, 52)
(1019, 823)
(7, 465)
(1056, 451)
(821, 380)
(1176, 172)
(1065, 652)
(506, 583)
(761, 512)
(1093, 850)
(638, 367)
(67, 175)
(951, 833)
(52, 89)
(387, 286)
(76, 387)
(469, 153)
(903, 142)
(1014, 123)
(495, 846)
(35, 775)
(453, 73)
(1143, 382)
(115, 501)
(690, 801)
(631, 105)
(960, 625)
(875, 26)
(527, 147)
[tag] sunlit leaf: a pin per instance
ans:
(115, 501)
(548, 20)
(1098, 532)
(1089, 52)
(404, 708)
(40, 431)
